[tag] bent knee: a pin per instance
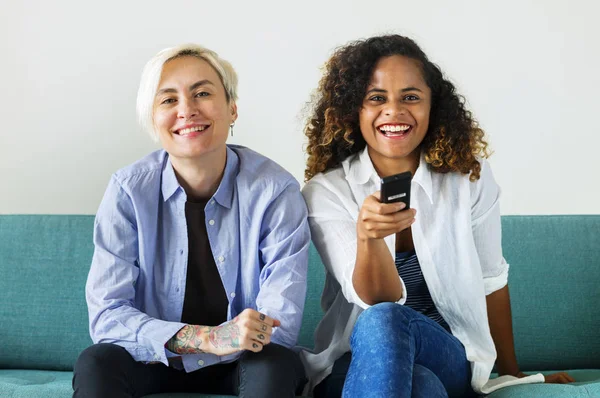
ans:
(99, 357)
(382, 322)
(382, 315)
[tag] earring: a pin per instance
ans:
(231, 128)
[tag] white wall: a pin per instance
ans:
(69, 72)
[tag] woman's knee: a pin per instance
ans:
(380, 318)
(276, 370)
(100, 358)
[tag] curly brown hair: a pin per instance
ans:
(452, 143)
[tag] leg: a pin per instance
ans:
(333, 384)
(107, 370)
(425, 384)
(275, 372)
(388, 340)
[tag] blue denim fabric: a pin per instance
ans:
(398, 352)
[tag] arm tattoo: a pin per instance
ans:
(225, 336)
(187, 341)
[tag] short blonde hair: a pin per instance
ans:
(153, 70)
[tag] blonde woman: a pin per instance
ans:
(198, 278)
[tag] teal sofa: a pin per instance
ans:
(554, 282)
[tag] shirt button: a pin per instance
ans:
(221, 259)
(181, 251)
(232, 294)
(212, 222)
(212, 202)
(201, 362)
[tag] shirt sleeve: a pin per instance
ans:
(111, 284)
(333, 231)
(284, 244)
(487, 230)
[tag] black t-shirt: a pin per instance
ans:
(205, 301)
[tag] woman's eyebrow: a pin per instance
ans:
(200, 83)
(404, 90)
(411, 89)
(376, 90)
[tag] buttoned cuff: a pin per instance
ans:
(192, 362)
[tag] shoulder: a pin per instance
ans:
(330, 193)
(148, 168)
(486, 182)
(257, 172)
(332, 180)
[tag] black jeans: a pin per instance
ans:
(332, 385)
(107, 370)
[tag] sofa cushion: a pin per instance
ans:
(43, 316)
(312, 307)
(553, 280)
(587, 385)
(35, 384)
(55, 384)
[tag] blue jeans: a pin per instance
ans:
(398, 352)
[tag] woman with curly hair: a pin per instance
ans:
(416, 299)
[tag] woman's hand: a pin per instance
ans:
(559, 378)
(250, 330)
(377, 220)
(555, 378)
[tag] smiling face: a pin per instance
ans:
(191, 112)
(394, 116)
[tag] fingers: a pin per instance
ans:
(373, 204)
(559, 378)
(255, 329)
(377, 220)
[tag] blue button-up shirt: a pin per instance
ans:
(257, 227)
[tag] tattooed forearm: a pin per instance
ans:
(225, 336)
(187, 341)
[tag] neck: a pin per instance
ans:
(386, 166)
(200, 177)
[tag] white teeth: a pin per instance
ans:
(191, 130)
(394, 128)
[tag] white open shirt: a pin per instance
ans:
(457, 238)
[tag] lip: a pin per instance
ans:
(401, 136)
(194, 133)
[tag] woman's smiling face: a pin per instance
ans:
(394, 116)
(191, 111)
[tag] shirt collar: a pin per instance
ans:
(170, 185)
(360, 169)
(224, 194)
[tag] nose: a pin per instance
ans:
(394, 108)
(187, 108)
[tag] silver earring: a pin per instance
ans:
(231, 128)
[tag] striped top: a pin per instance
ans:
(417, 293)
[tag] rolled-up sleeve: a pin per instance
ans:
(487, 230)
(111, 283)
(333, 231)
(284, 244)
